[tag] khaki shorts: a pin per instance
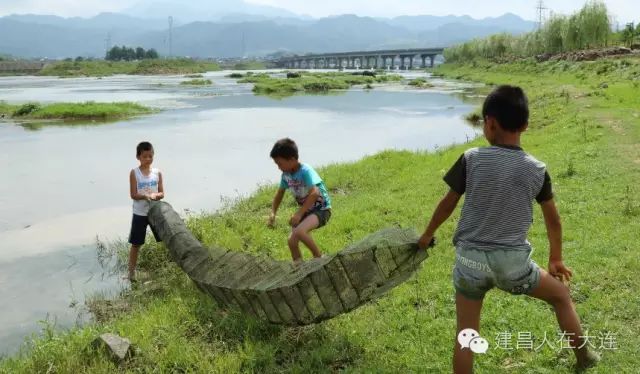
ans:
(478, 271)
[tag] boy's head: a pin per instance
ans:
(505, 110)
(285, 154)
(144, 153)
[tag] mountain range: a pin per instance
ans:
(232, 28)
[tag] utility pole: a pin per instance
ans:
(170, 36)
(242, 55)
(540, 9)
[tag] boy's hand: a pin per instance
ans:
(272, 220)
(426, 242)
(295, 219)
(559, 270)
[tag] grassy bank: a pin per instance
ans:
(197, 82)
(310, 82)
(144, 67)
(73, 111)
(588, 137)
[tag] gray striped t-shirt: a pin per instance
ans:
(500, 183)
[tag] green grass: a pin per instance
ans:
(590, 145)
(420, 83)
(144, 67)
(197, 82)
(315, 83)
(73, 111)
(247, 65)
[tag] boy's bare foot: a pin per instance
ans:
(297, 263)
(591, 359)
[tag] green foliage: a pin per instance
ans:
(197, 82)
(311, 82)
(74, 111)
(630, 34)
(129, 54)
(144, 67)
(27, 109)
(174, 66)
(474, 117)
(249, 65)
(588, 28)
(420, 83)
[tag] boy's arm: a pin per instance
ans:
(133, 188)
(444, 209)
(277, 199)
(554, 233)
(160, 194)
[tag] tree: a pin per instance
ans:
(140, 53)
(594, 20)
(628, 34)
(114, 54)
(151, 54)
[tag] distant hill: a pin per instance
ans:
(239, 34)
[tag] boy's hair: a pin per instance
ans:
(509, 106)
(143, 146)
(285, 148)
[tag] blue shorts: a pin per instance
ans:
(139, 230)
(477, 271)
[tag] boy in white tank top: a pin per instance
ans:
(145, 184)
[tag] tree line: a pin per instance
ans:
(588, 28)
(128, 54)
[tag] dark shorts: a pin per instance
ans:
(323, 216)
(139, 230)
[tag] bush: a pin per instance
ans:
(27, 109)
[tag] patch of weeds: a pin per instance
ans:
(570, 171)
(27, 109)
(631, 209)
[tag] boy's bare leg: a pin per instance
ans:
(468, 317)
(133, 260)
(557, 294)
(301, 234)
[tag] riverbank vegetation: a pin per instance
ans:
(420, 83)
(145, 67)
(72, 111)
(311, 82)
(197, 82)
(585, 125)
(587, 28)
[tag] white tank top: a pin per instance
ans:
(145, 185)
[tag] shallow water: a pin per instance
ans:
(63, 186)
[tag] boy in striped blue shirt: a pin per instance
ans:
(500, 183)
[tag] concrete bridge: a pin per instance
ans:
(405, 59)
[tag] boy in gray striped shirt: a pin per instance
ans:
(500, 182)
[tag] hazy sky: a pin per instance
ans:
(622, 10)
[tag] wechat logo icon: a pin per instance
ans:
(469, 338)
